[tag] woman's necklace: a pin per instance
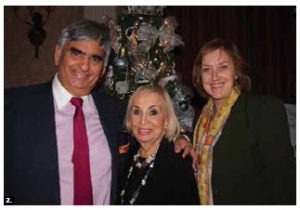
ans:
(137, 163)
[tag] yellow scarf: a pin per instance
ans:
(206, 133)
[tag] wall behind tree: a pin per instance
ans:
(266, 36)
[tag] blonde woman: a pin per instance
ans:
(156, 175)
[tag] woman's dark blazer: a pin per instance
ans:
(30, 149)
(172, 180)
(253, 161)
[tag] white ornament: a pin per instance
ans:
(122, 87)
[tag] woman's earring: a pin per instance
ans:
(236, 82)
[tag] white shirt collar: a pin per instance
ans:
(62, 96)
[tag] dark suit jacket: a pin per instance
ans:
(253, 161)
(30, 161)
(171, 181)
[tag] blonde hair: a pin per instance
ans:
(173, 128)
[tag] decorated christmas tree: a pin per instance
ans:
(143, 42)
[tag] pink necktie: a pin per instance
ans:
(83, 194)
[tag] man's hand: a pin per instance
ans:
(181, 143)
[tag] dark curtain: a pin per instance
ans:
(266, 36)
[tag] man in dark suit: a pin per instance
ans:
(39, 119)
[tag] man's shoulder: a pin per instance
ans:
(107, 99)
(110, 108)
(27, 91)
